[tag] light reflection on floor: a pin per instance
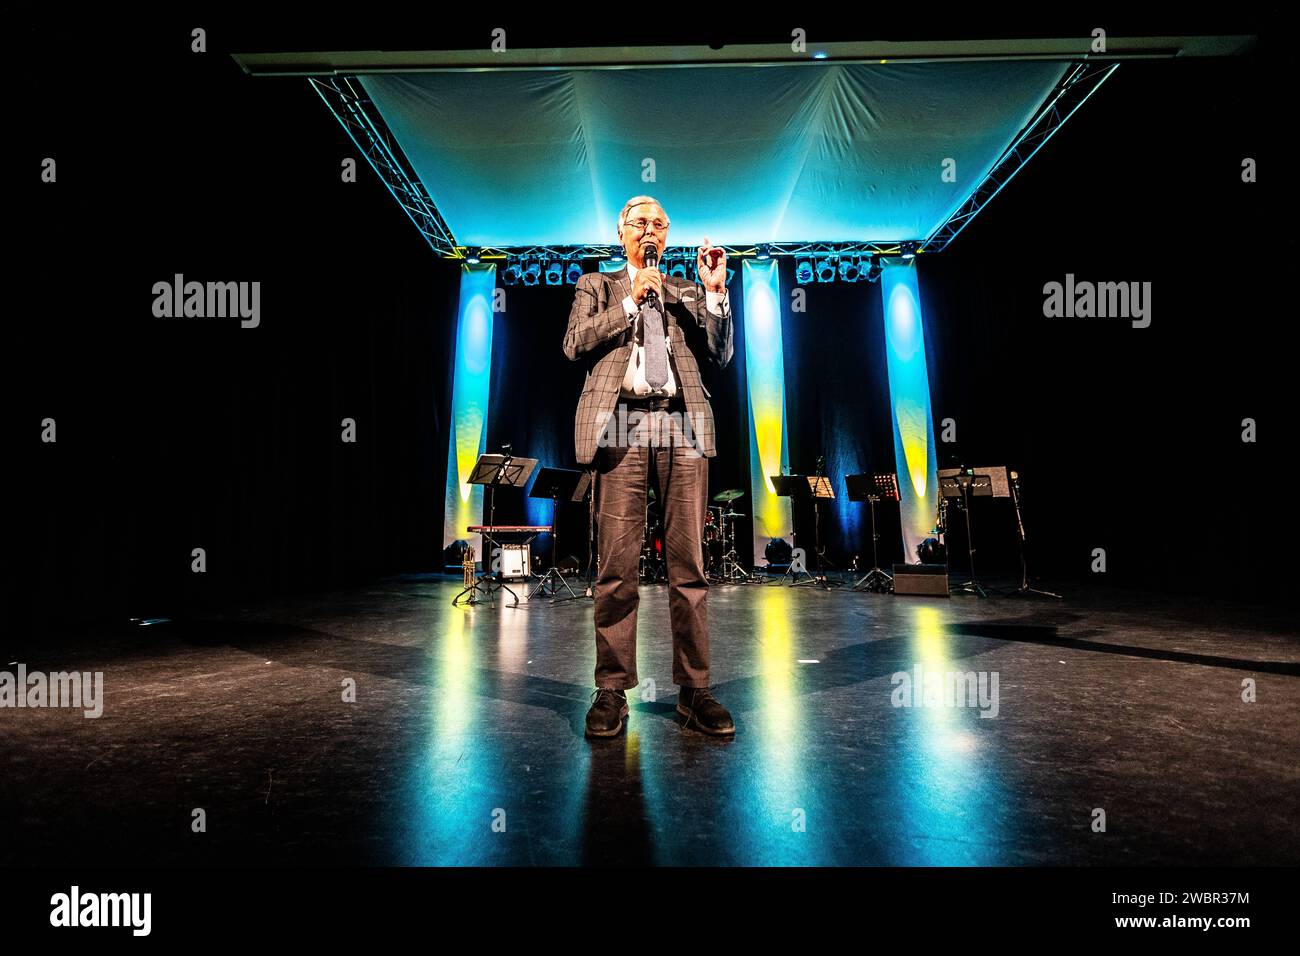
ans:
(824, 769)
(463, 742)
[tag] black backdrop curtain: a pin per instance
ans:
(176, 434)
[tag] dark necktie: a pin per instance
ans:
(656, 349)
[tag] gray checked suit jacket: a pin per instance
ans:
(600, 334)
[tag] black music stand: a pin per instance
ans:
(557, 483)
(963, 487)
(493, 470)
(871, 489)
(816, 487)
(792, 487)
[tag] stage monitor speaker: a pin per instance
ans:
(924, 580)
(514, 561)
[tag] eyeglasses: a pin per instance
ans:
(640, 224)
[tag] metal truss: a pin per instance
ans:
(1079, 83)
(348, 102)
(810, 250)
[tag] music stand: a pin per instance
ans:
(792, 487)
(819, 487)
(997, 475)
(871, 489)
(963, 486)
(493, 470)
(816, 487)
(557, 483)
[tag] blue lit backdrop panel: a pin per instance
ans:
(765, 375)
(471, 384)
(909, 404)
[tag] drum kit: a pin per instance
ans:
(721, 562)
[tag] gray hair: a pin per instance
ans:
(636, 201)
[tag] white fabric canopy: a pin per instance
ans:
(816, 152)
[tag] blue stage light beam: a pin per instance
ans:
(765, 374)
(909, 401)
(471, 386)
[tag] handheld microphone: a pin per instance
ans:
(651, 256)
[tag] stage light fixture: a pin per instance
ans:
(849, 270)
(778, 552)
(453, 556)
(908, 250)
(931, 551)
(473, 254)
(573, 273)
(763, 252)
(803, 271)
(554, 272)
(873, 274)
(678, 268)
(532, 272)
(825, 270)
(510, 274)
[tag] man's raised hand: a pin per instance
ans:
(712, 266)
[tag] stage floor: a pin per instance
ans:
(464, 745)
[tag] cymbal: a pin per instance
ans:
(730, 494)
(734, 514)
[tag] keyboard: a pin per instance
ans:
(508, 529)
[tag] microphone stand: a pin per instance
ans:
(823, 562)
(1025, 589)
(820, 578)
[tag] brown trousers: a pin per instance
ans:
(623, 473)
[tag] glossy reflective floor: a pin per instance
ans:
(464, 744)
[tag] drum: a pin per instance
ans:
(713, 552)
(653, 566)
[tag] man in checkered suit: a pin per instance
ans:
(643, 415)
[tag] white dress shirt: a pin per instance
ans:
(634, 383)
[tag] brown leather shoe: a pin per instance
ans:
(703, 712)
(605, 718)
